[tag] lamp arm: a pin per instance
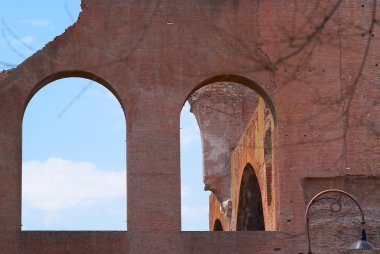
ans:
(315, 199)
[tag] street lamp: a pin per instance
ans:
(360, 247)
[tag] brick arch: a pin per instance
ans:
(250, 216)
(218, 225)
(238, 79)
(251, 150)
(71, 74)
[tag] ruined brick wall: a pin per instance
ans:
(215, 214)
(222, 111)
(153, 55)
(328, 124)
(251, 150)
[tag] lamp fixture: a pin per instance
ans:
(360, 247)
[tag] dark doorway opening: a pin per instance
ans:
(250, 209)
(218, 226)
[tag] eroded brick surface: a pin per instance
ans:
(222, 111)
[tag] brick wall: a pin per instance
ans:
(153, 56)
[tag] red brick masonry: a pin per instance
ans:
(153, 54)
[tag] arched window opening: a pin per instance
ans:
(74, 158)
(250, 209)
(231, 122)
(218, 225)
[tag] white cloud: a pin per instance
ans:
(36, 22)
(58, 184)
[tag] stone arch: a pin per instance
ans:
(71, 74)
(218, 225)
(238, 79)
(250, 215)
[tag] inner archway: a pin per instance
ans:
(218, 225)
(250, 209)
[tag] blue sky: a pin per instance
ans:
(74, 137)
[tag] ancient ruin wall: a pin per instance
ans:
(251, 150)
(215, 214)
(152, 55)
(222, 111)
